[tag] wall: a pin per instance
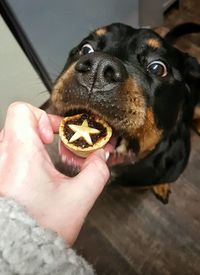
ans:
(54, 27)
(18, 80)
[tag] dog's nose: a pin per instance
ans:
(100, 71)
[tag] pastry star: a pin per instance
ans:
(83, 131)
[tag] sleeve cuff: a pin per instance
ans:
(26, 248)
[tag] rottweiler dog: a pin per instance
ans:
(149, 93)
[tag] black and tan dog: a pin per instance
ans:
(147, 90)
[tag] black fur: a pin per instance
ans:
(172, 98)
(180, 30)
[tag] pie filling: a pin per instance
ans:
(84, 133)
(97, 129)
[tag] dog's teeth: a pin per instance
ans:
(64, 158)
(107, 155)
(121, 149)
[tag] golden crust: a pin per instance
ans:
(78, 150)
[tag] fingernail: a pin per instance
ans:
(104, 154)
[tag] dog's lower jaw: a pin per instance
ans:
(117, 155)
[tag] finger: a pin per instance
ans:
(93, 176)
(19, 120)
(1, 134)
(55, 122)
(24, 121)
(45, 128)
(48, 125)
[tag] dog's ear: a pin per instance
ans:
(191, 67)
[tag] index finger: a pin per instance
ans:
(55, 122)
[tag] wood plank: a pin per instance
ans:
(154, 238)
(94, 247)
(131, 232)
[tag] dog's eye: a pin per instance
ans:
(157, 68)
(86, 48)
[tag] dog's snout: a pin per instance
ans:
(100, 71)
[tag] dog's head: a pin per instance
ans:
(131, 78)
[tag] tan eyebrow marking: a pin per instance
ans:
(153, 43)
(101, 31)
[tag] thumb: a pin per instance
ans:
(25, 122)
(94, 174)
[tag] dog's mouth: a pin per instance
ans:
(117, 148)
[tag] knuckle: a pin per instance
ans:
(17, 106)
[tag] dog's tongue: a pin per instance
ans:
(73, 160)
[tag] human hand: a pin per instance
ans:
(28, 175)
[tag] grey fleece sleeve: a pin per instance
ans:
(26, 248)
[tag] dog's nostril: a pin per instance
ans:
(83, 66)
(111, 74)
(100, 71)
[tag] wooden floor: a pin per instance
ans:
(129, 232)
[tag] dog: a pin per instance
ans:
(146, 90)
